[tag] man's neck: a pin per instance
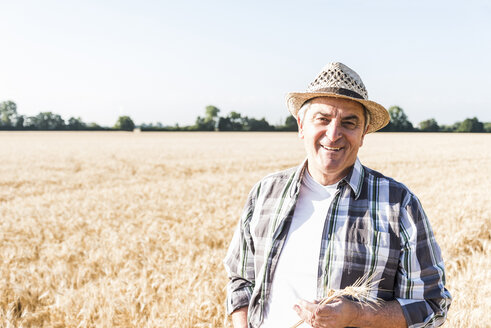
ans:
(327, 179)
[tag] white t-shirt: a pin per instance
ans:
(295, 276)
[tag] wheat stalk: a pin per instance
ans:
(360, 291)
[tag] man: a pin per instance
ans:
(331, 221)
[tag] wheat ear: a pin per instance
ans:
(360, 291)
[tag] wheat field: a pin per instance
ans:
(116, 229)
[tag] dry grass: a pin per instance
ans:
(129, 230)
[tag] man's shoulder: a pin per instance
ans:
(396, 187)
(278, 180)
(369, 172)
(285, 174)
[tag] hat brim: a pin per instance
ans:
(379, 116)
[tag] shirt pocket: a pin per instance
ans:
(371, 250)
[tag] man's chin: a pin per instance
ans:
(335, 167)
(332, 165)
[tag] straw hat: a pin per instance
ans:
(339, 81)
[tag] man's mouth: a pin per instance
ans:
(332, 148)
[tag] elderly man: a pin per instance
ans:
(330, 221)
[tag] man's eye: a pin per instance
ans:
(349, 124)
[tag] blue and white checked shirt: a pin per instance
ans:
(374, 225)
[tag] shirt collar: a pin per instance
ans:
(297, 179)
(354, 179)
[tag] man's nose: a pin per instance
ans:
(333, 131)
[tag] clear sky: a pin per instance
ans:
(167, 60)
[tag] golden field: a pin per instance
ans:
(129, 229)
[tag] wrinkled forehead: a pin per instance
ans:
(336, 106)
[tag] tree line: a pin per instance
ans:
(234, 121)
(400, 123)
(10, 119)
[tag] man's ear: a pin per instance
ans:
(300, 128)
(363, 136)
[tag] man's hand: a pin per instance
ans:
(338, 313)
(346, 313)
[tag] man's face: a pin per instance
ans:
(333, 131)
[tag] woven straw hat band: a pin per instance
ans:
(341, 91)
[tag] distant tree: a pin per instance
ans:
(209, 122)
(94, 126)
(398, 121)
(252, 124)
(8, 115)
(224, 124)
(450, 128)
(429, 125)
(471, 125)
(76, 124)
(45, 121)
(211, 112)
(487, 127)
(29, 123)
(124, 123)
(211, 116)
(290, 124)
(202, 124)
(19, 124)
(237, 121)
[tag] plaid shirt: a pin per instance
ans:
(374, 225)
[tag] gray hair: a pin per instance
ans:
(303, 110)
(306, 105)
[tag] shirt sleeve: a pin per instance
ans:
(420, 282)
(239, 261)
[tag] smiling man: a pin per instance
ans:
(333, 131)
(330, 221)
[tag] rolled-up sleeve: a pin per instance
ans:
(239, 261)
(420, 282)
